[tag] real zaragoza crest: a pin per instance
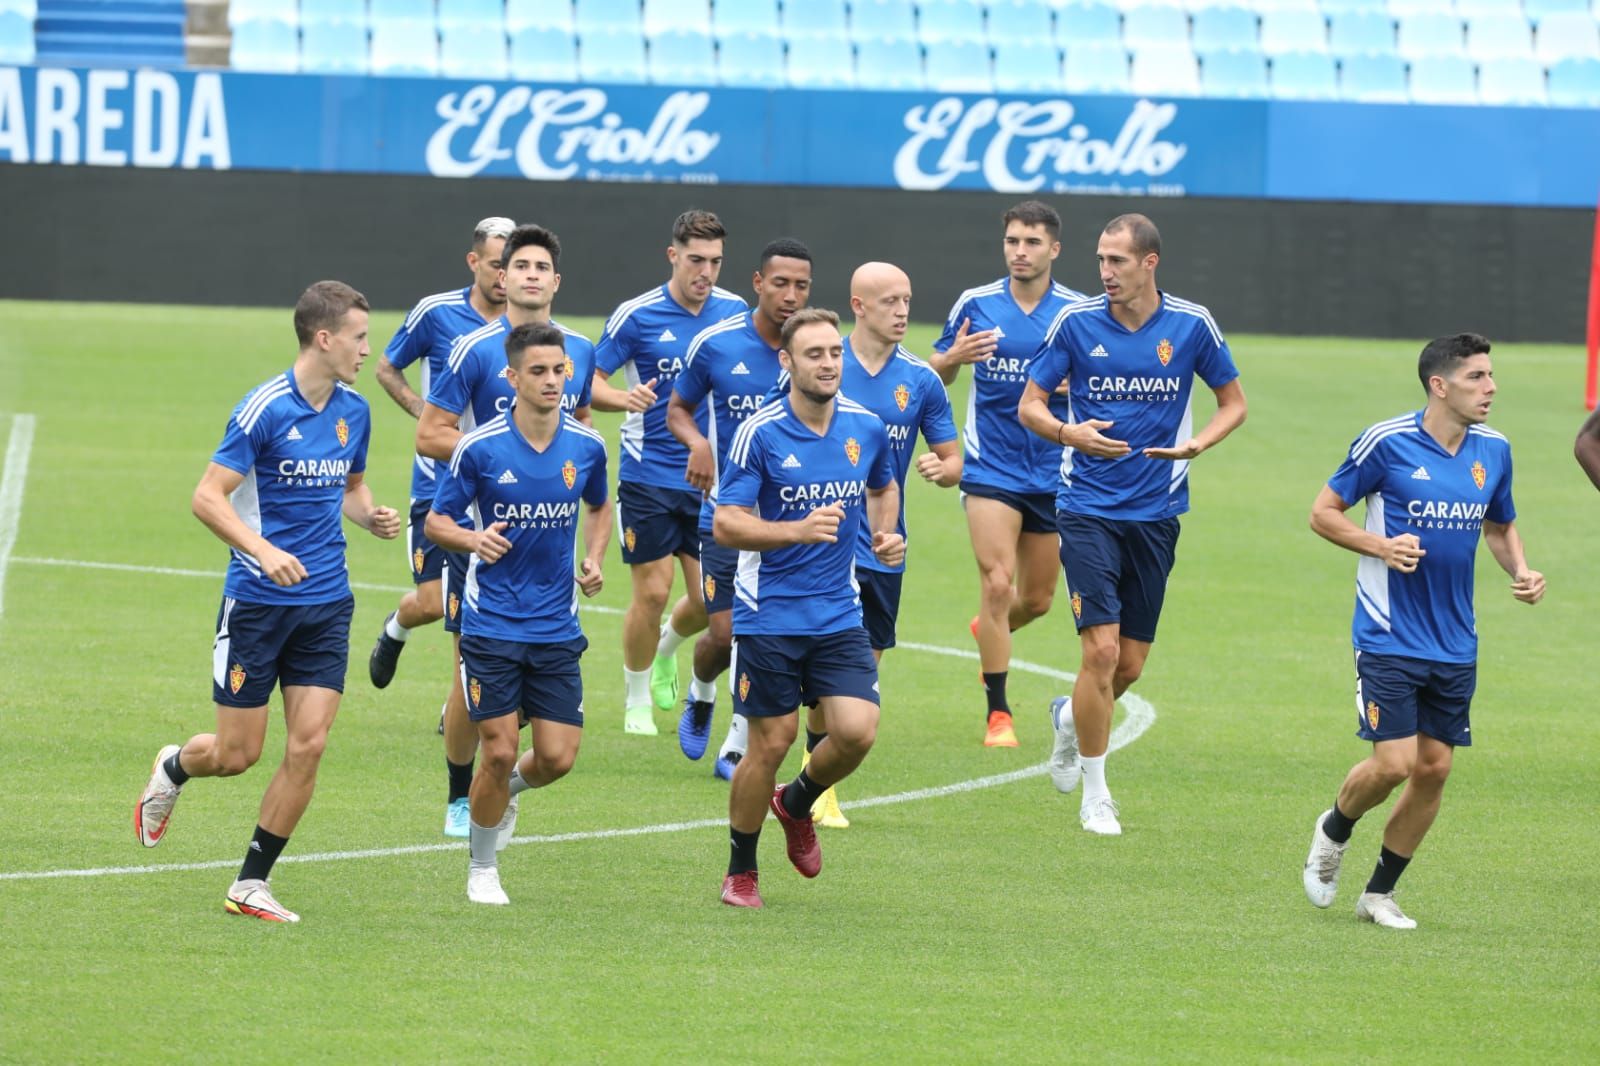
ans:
(569, 473)
(1164, 351)
(852, 450)
(341, 429)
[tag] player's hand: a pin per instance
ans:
(701, 471)
(281, 568)
(491, 544)
(384, 523)
(1086, 437)
(1402, 553)
(890, 548)
(930, 466)
(821, 526)
(1528, 586)
(1187, 450)
(590, 578)
(971, 347)
(642, 397)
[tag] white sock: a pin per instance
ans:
(637, 683)
(704, 691)
(519, 784)
(670, 640)
(738, 737)
(1094, 778)
(481, 842)
(395, 630)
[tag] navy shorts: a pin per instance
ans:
(1398, 697)
(503, 677)
(427, 558)
(656, 523)
(717, 567)
(455, 587)
(880, 605)
(260, 645)
(776, 674)
(1117, 570)
(1038, 509)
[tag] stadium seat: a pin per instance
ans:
(1027, 66)
(590, 16)
(1511, 80)
(1305, 76)
(404, 48)
(1400, 8)
(814, 18)
(682, 57)
(1088, 23)
(1565, 34)
(474, 14)
(401, 12)
(1020, 20)
(284, 11)
(949, 20)
(333, 12)
(333, 48)
(1373, 79)
(1235, 73)
(1355, 33)
(612, 55)
(1499, 36)
(745, 16)
(1095, 68)
(473, 51)
(1293, 31)
(1575, 82)
(889, 63)
(17, 41)
(547, 53)
(538, 15)
(1225, 29)
(750, 59)
(1332, 7)
(1429, 35)
(260, 45)
(29, 10)
(1155, 25)
(1538, 9)
(669, 16)
(821, 63)
(959, 67)
(1263, 6)
(1443, 80)
(1469, 8)
(882, 20)
(1165, 70)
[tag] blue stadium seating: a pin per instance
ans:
(333, 48)
(1088, 23)
(477, 14)
(889, 63)
(1470, 8)
(1095, 67)
(1511, 80)
(543, 54)
(882, 19)
(959, 67)
(1224, 29)
(1538, 9)
(1499, 36)
(16, 37)
(751, 59)
(1402, 8)
(1293, 31)
(398, 12)
(590, 16)
(1027, 66)
(668, 16)
(1333, 7)
(262, 45)
(1236, 73)
(284, 11)
(29, 10)
(1352, 33)
(1020, 20)
(949, 20)
(612, 55)
(745, 16)
(333, 12)
(1165, 70)
(1374, 79)
(1575, 83)
(682, 57)
(1155, 25)
(1566, 35)
(821, 63)
(814, 18)
(473, 51)
(538, 14)
(1429, 35)
(404, 48)
(1305, 76)
(1443, 80)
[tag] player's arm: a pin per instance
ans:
(1033, 411)
(381, 522)
(701, 471)
(941, 464)
(582, 415)
(1330, 522)
(1230, 415)
(1505, 544)
(212, 505)
(438, 433)
(964, 347)
(883, 519)
(597, 522)
(605, 397)
(393, 380)
(739, 528)
(1587, 447)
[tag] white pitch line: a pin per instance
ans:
(11, 486)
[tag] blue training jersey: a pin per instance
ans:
(731, 369)
(1141, 380)
(427, 335)
(1412, 485)
(782, 471)
(648, 337)
(474, 384)
(529, 594)
(295, 461)
(998, 451)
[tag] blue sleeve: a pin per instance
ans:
(1051, 362)
(457, 486)
(952, 326)
(616, 348)
(695, 381)
(409, 344)
(595, 489)
(238, 450)
(583, 369)
(882, 471)
(741, 481)
(1215, 365)
(451, 391)
(358, 464)
(1501, 509)
(938, 425)
(779, 390)
(1353, 480)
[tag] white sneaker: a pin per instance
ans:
(253, 899)
(150, 817)
(508, 825)
(1064, 768)
(483, 886)
(1321, 875)
(1379, 908)
(1100, 816)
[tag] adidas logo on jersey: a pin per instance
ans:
(294, 433)
(739, 368)
(791, 463)
(1100, 352)
(998, 333)
(1421, 474)
(666, 335)
(508, 478)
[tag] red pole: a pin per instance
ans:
(1592, 385)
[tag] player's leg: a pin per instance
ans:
(423, 605)
(767, 704)
(713, 651)
(995, 528)
(552, 700)
(839, 683)
(460, 749)
(494, 672)
(688, 617)
(738, 738)
(1038, 568)
(641, 633)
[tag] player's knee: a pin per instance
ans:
(1101, 657)
(1126, 674)
(719, 630)
(997, 584)
(306, 751)
(1395, 768)
(856, 737)
(1430, 774)
(1035, 603)
(557, 763)
(497, 755)
(231, 762)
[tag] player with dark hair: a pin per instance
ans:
(1009, 480)
(291, 462)
(647, 338)
(1432, 481)
(1131, 356)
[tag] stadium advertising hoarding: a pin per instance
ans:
(912, 140)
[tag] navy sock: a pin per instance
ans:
(174, 769)
(460, 778)
(1338, 825)
(1390, 867)
(264, 850)
(813, 739)
(742, 858)
(800, 794)
(994, 686)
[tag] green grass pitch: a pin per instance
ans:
(982, 925)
